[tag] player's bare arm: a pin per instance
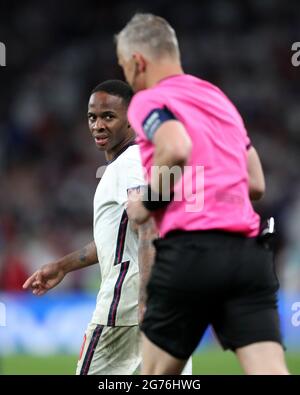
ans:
(50, 275)
(256, 175)
(146, 253)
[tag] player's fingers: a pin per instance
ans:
(39, 292)
(36, 284)
(39, 276)
(29, 281)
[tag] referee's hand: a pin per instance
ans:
(135, 210)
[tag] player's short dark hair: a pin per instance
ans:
(115, 88)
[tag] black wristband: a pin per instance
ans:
(153, 201)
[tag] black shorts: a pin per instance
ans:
(213, 277)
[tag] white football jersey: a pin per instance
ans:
(116, 242)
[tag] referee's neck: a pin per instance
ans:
(156, 73)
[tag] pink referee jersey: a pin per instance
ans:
(213, 192)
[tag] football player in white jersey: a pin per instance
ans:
(112, 340)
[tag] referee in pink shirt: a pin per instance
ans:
(210, 268)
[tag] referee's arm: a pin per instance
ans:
(172, 148)
(257, 184)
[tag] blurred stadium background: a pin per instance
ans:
(56, 53)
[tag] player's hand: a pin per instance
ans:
(135, 209)
(44, 279)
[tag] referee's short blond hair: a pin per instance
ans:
(150, 35)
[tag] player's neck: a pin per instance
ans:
(115, 152)
(164, 70)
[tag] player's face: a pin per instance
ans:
(107, 117)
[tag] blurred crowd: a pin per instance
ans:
(56, 54)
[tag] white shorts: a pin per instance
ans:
(110, 350)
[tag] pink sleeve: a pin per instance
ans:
(142, 104)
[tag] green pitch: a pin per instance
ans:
(211, 361)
